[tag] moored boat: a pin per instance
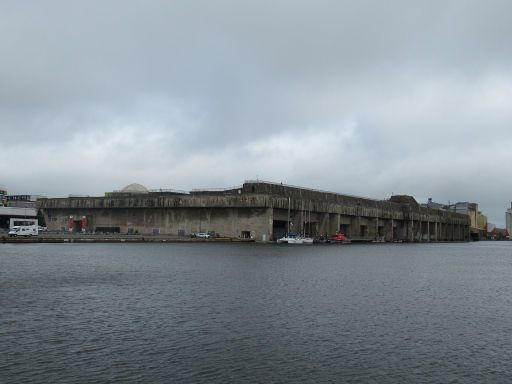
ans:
(307, 240)
(290, 238)
(339, 238)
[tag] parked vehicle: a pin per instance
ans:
(23, 230)
(18, 222)
(203, 235)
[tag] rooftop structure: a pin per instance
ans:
(135, 189)
(23, 201)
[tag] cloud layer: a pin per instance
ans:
(361, 97)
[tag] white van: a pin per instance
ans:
(23, 230)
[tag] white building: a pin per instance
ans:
(7, 213)
(16, 206)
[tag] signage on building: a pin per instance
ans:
(20, 198)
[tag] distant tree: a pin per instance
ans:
(40, 218)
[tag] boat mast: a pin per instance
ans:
(288, 234)
(302, 219)
(309, 221)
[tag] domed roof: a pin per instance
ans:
(135, 188)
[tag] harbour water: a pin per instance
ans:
(253, 313)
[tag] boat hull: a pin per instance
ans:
(290, 240)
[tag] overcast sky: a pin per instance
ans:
(360, 97)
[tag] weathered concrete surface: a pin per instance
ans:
(260, 210)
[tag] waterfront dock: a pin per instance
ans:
(111, 238)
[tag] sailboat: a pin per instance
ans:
(290, 238)
(307, 239)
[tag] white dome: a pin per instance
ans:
(135, 188)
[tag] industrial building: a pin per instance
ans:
(478, 221)
(508, 220)
(260, 210)
(3, 196)
(16, 206)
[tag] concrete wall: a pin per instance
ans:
(226, 222)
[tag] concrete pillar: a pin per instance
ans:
(295, 225)
(322, 219)
(270, 216)
(355, 226)
(405, 230)
(334, 223)
(410, 230)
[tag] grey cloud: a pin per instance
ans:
(421, 84)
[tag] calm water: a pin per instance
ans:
(217, 313)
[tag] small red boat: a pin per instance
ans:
(339, 238)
